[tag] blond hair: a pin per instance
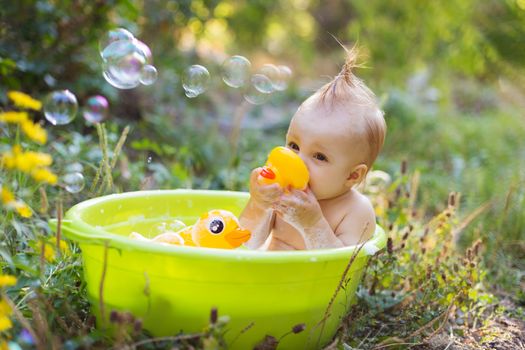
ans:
(347, 88)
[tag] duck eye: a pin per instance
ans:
(216, 226)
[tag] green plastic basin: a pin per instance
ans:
(173, 288)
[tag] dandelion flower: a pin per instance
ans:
(13, 117)
(34, 131)
(23, 210)
(24, 101)
(44, 175)
(5, 323)
(7, 196)
(7, 280)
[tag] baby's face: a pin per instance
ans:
(331, 144)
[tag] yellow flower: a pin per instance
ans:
(13, 117)
(44, 175)
(34, 131)
(7, 280)
(23, 210)
(25, 161)
(50, 249)
(23, 100)
(3, 345)
(5, 323)
(7, 196)
(5, 309)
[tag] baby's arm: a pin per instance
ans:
(258, 215)
(302, 210)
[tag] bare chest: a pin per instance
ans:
(286, 236)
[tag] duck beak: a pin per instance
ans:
(237, 237)
(267, 173)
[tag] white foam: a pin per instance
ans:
(370, 248)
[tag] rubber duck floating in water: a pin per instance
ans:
(214, 229)
(286, 168)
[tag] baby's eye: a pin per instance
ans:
(293, 146)
(321, 157)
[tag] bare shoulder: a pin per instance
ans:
(358, 223)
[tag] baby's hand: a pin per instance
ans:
(263, 195)
(299, 208)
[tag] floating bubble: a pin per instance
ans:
(255, 96)
(285, 74)
(74, 168)
(123, 62)
(146, 51)
(262, 83)
(60, 107)
(96, 109)
(74, 182)
(272, 72)
(148, 75)
(236, 71)
(119, 34)
(195, 80)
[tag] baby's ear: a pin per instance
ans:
(357, 175)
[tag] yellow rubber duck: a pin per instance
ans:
(286, 168)
(214, 229)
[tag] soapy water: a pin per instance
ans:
(195, 80)
(126, 61)
(60, 107)
(370, 248)
(74, 182)
(236, 71)
(96, 109)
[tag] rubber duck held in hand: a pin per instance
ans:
(214, 229)
(286, 168)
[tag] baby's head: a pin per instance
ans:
(338, 132)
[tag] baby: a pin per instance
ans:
(338, 132)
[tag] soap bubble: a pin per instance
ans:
(236, 71)
(262, 83)
(123, 62)
(254, 96)
(195, 80)
(74, 182)
(285, 74)
(74, 168)
(119, 34)
(148, 75)
(272, 72)
(60, 107)
(96, 109)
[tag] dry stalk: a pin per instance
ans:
(101, 285)
(118, 148)
(354, 255)
(469, 218)
(24, 322)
